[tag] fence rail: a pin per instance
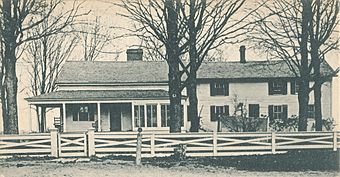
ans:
(163, 144)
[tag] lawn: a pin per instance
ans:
(296, 163)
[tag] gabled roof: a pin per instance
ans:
(100, 95)
(103, 72)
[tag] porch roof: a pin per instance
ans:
(100, 95)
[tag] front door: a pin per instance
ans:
(115, 117)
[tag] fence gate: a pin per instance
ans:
(72, 144)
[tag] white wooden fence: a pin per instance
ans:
(162, 144)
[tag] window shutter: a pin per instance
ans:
(226, 110)
(292, 87)
(284, 88)
(212, 89)
(212, 113)
(285, 113)
(226, 89)
(270, 87)
(270, 112)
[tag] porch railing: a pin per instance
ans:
(163, 144)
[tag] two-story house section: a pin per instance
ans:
(122, 96)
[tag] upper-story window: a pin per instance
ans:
(277, 87)
(84, 112)
(219, 88)
(294, 87)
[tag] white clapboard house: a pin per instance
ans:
(122, 96)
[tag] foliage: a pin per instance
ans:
(237, 123)
(328, 123)
(291, 124)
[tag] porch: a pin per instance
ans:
(106, 111)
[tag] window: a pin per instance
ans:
(278, 112)
(294, 87)
(217, 111)
(139, 116)
(151, 115)
(219, 88)
(165, 115)
(311, 111)
(254, 110)
(277, 87)
(84, 112)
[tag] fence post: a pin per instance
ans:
(335, 141)
(54, 142)
(215, 143)
(273, 142)
(90, 141)
(139, 147)
(152, 144)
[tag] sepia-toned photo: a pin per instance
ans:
(187, 88)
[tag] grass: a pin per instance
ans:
(297, 160)
(312, 160)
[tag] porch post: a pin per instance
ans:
(64, 117)
(99, 118)
(30, 123)
(159, 116)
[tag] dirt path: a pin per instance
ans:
(128, 169)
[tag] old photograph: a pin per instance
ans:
(187, 88)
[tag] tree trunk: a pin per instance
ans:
(193, 103)
(317, 104)
(11, 85)
(192, 84)
(175, 100)
(173, 58)
(317, 86)
(303, 96)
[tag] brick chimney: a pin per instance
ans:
(134, 54)
(243, 54)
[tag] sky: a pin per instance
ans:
(114, 23)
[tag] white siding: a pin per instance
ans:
(255, 93)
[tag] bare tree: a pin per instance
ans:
(161, 20)
(211, 25)
(285, 36)
(289, 35)
(323, 22)
(20, 17)
(94, 37)
(46, 57)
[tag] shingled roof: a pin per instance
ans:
(96, 95)
(102, 72)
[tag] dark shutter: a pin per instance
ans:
(284, 88)
(212, 113)
(226, 89)
(285, 113)
(270, 87)
(226, 110)
(270, 112)
(212, 89)
(292, 87)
